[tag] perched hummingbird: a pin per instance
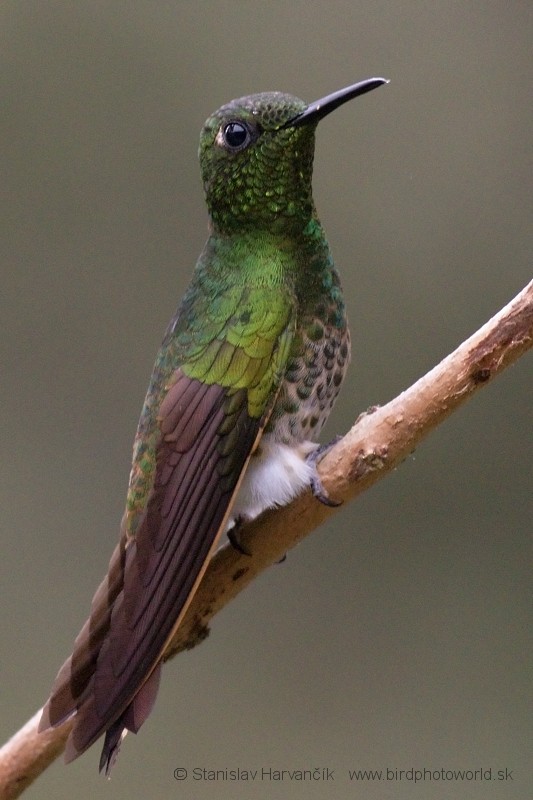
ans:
(249, 369)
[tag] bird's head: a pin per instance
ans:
(256, 158)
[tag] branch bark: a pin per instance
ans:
(379, 440)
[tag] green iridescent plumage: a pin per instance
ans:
(246, 376)
(263, 187)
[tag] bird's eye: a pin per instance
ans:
(236, 135)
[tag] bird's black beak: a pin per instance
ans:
(320, 108)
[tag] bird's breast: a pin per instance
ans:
(312, 381)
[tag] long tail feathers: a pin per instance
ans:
(113, 739)
(131, 720)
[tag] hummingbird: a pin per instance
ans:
(248, 372)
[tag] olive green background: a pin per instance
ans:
(397, 635)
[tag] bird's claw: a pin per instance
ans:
(234, 538)
(316, 484)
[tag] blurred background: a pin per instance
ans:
(397, 635)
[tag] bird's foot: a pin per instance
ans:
(235, 542)
(316, 484)
(234, 537)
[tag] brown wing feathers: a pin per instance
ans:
(207, 436)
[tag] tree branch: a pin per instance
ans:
(379, 440)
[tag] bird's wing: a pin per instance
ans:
(208, 424)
